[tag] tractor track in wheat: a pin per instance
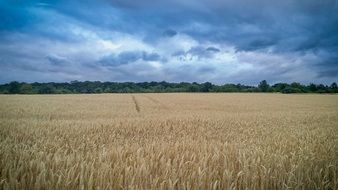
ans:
(137, 105)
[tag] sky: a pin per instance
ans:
(220, 41)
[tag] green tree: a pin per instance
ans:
(14, 87)
(263, 86)
(280, 86)
(26, 89)
(313, 87)
(47, 89)
(193, 88)
(322, 88)
(98, 90)
(290, 89)
(298, 87)
(206, 87)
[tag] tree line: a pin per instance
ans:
(77, 87)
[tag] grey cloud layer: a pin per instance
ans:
(194, 40)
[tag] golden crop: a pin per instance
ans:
(169, 141)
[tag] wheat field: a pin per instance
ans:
(169, 141)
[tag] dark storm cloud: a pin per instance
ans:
(283, 26)
(328, 67)
(213, 49)
(150, 56)
(169, 33)
(57, 60)
(296, 36)
(197, 51)
(128, 57)
(328, 73)
(248, 25)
